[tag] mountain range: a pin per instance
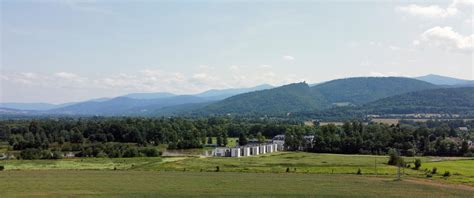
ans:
(375, 93)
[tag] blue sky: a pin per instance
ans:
(62, 51)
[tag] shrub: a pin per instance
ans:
(417, 164)
(433, 171)
(359, 172)
(30, 154)
(395, 158)
(410, 152)
(150, 152)
(446, 174)
(2, 167)
(469, 154)
(131, 152)
(101, 154)
(57, 155)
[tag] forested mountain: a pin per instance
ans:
(448, 100)
(362, 90)
(220, 94)
(357, 96)
(443, 80)
(301, 97)
(31, 106)
(149, 95)
(125, 106)
(280, 100)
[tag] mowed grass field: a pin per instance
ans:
(264, 175)
(60, 183)
(462, 171)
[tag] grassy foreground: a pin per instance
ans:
(203, 184)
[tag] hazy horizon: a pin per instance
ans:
(68, 51)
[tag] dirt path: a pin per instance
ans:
(439, 184)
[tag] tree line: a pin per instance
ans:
(129, 137)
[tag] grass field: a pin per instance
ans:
(461, 170)
(173, 184)
(310, 173)
(80, 163)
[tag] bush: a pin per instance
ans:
(395, 158)
(101, 154)
(150, 152)
(2, 167)
(417, 164)
(433, 171)
(469, 154)
(410, 152)
(446, 174)
(30, 154)
(131, 152)
(57, 155)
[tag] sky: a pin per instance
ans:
(65, 51)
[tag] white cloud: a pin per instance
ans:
(435, 11)
(416, 42)
(394, 48)
(66, 75)
(288, 57)
(265, 66)
(431, 11)
(383, 74)
(446, 38)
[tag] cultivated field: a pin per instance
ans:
(178, 184)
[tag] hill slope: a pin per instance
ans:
(125, 105)
(448, 100)
(280, 100)
(360, 91)
(300, 97)
(442, 80)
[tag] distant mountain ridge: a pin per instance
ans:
(302, 97)
(355, 96)
(445, 100)
(32, 106)
(147, 103)
(444, 80)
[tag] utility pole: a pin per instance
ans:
(375, 165)
(398, 172)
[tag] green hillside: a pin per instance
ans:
(359, 91)
(448, 100)
(281, 100)
(301, 97)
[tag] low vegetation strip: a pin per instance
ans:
(202, 184)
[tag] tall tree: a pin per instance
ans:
(243, 139)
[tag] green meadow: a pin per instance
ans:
(309, 174)
(60, 183)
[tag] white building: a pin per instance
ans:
(235, 152)
(243, 151)
(222, 152)
(254, 150)
(262, 149)
(269, 148)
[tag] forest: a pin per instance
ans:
(132, 137)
